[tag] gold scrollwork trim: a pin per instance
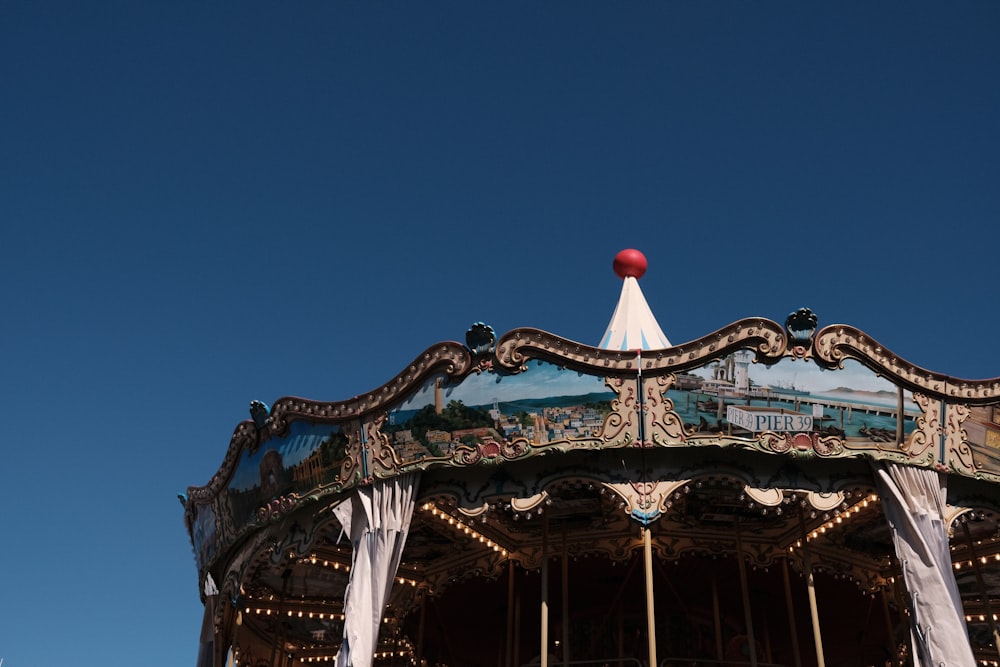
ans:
(837, 342)
(450, 358)
(766, 338)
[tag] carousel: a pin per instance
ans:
(768, 495)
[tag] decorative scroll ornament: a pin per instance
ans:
(958, 454)
(923, 441)
(451, 359)
(620, 425)
(382, 457)
(352, 469)
(275, 509)
(801, 444)
(837, 342)
(645, 501)
(664, 425)
(491, 451)
(765, 338)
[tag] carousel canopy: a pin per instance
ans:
(752, 459)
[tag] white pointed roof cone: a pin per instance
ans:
(633, 326)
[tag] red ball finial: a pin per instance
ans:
(630, 262)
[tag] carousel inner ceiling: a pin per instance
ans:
(730, 563)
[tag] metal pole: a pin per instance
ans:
(899, 417)
(792, 626)
(811, 589)
(285, 576)
(890, 630)
(565, 599)
(768, 656)
(717, 616)
(544, 655)
(650, 606)
(421, 625)
(982, 587)
(620, 618)
(747, 613)
(517, 625)
(510, 614)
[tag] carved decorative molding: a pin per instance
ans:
(766, 338)
(837, 342)
(449, 358)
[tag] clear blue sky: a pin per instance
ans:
(205, 203)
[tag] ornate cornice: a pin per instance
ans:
(766, 338)
(837, 342)
(940, 431)
(449, 358)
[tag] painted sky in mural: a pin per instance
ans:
(540, 380)
(303, 439)
(791, 374)
(545, 380)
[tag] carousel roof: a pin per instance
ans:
(532, 447)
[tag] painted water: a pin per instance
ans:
(842, 413)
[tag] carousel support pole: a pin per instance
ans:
(517, 626)
(720, 654)
(510, 614)
(792, 629)
(620, 623)
(421, 625)
(285, 576)
(768, 655)
(223, 632)
(899, 417)
(544, 655)
(650, 605)
(811, 589)
(900, 594)
(744, 586)
(982, 587)
(565, 599)
(890, 632)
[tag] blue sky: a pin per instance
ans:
(206, 203)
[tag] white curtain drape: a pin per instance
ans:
(377, 518)
(914, 503)
(206, 649)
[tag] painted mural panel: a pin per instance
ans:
(204, 532)
(542, 405)
(731, 397)
(296, 463)
(735, 396)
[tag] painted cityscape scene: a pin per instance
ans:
(543, 404)
(732, 395)
(294, 463)
(735, 395)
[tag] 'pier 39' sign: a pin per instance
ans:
(767, 419)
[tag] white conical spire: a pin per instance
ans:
(633, 326)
